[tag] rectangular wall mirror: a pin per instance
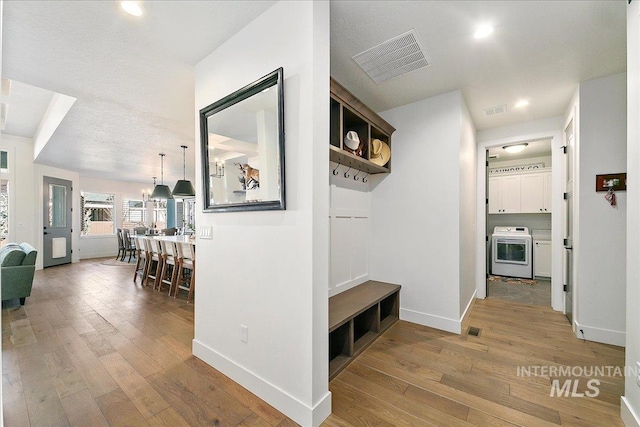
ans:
(242, 142)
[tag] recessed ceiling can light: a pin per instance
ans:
(522, 103)
(483, 31)
(131, 7)
(515, 148)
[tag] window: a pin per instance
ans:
(186, 213)
(134, 214)
(97, 214)
(4, 161)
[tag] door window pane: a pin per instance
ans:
(4, 208)
(57, 206)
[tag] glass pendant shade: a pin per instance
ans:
(161, 191)
(184, 187)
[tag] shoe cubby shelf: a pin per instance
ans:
(357, 317)
(348, 113)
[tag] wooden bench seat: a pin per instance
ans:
(357, 317)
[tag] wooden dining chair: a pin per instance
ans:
(155, 259)
(120, 242)
(129, 246)
(170, 265)
(143, 259)
(187, 255)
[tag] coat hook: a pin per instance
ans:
(345, 174)
(355, 177)
(335, 171)
(364, 179)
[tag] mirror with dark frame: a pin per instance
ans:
(242, 142)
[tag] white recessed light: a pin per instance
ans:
(515, 148)
(522, 103)
(131, 7)
(483, 31)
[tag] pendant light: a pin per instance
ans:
(161, 191)
(184, 188)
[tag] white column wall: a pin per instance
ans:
(630, 405)
(269, 270)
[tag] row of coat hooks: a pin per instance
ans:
(356, 177)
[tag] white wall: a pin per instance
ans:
(22, 214)
(630, 407)
(468, 161)
(602, 229)
(415, 212)
(269, 270)
(103, 246)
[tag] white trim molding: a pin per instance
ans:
(605, 336)
(281, 400)
(628, 415)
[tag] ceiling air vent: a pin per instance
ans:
(393, 58)
(493, 111)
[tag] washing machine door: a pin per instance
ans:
(511, 251)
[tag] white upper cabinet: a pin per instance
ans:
(524, 193)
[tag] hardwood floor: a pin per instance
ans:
(90, 348)
(418, 376)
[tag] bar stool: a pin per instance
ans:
(155, 255)
(187, 255)
(169, 258)
(142, 256)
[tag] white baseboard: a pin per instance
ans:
(467, 310)
(605, 336)
(628, 415)
(432, 321)
(290, 406)
(99, 255)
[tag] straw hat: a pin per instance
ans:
(352, 140)
(380, 152)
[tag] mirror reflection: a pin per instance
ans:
(243, 149)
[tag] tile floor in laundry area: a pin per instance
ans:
(538, 293)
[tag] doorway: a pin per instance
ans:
(519, 221)
(57, 230)
(568, 221)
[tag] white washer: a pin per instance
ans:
(511, 252)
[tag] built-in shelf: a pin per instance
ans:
(357, 317)
(348, 113)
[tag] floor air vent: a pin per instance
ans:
(473, 331)
(393, 58)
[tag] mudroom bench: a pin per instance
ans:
(357, 317)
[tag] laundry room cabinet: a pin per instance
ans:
(504, 194)
(535, 190)
(520, 193)
(542, 258)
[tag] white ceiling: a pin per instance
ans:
(26, 106)
(539, 50)
(133, 77)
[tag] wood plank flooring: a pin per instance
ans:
(90, 348)
(418, 376)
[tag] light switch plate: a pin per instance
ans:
(206, 233)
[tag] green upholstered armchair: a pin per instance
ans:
(17, 266)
